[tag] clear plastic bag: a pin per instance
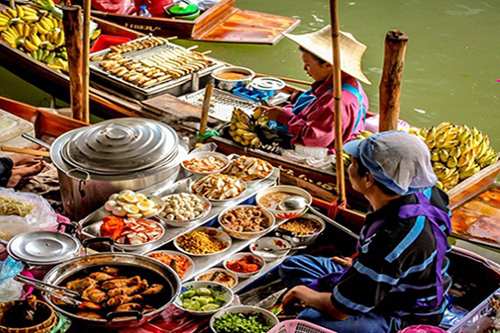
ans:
(41, 217)
(10, 289)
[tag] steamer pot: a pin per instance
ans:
(66, 270)
(126, 153)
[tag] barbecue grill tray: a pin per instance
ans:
(135, 91)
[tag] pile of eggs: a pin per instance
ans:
(131, 204)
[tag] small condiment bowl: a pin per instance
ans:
(284, 214)
(229, 85)
(203, 154)
(247, 234)
(220, 235)
(224, 291)
(245, 309)
(275, 243)
(220, 270)
(238, 256)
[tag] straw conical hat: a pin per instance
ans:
(319, 43)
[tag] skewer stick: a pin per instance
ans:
(86, 60)
(206, 52)
(26, 151)
(171, 38)
(205, 108)
(193, 47)
(337, 88)
(392, 78)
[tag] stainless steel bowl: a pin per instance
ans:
(229, 85)
(268, 86)
(295, 240)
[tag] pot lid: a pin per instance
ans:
(183, 9)
(121, 146)
(267, 83)
(43, 247)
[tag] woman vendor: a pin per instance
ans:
(311, 121)
(398, 277)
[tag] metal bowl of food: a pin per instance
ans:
(182, 209)
(219, 189)
(246, 221)
(223, 320)
(203, 298)
(182, 264)
(228, 78)
(203, 241)
(303, 230)
(205, 163)
(271, 197)
(219, 275)
(153, 286)
(249, 169)
(244, 264)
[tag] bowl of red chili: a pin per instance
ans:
(245, 264)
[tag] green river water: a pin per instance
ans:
(452, 68)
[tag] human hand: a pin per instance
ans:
(344, 261)
(272, 112)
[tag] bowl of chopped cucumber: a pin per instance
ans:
(203, 298)
(243, 318)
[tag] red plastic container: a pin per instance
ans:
(106, 41)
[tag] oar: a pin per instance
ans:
(26, 151)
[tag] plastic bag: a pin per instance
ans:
(41, 217)
(10, 289)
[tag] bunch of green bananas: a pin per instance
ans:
(37, 33)
(457, 152)
(242, 128)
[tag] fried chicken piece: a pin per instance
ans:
(120, 283)
(122, 299)
(110, 270)
(80, 285)
(91, 315)
(90, 306)
(100, 276)
(57, 300)
(128, 307)
(94, 295)
(147, 309)
(128, 290)
(153, 290)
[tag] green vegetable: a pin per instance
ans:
(202, 299)
(242, 323)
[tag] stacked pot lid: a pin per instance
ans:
(121, 146)
(43, 248)
(267, 83)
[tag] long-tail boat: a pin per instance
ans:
(476, 277)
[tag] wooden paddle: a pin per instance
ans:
(26, 151)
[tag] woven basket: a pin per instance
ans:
(43, 327)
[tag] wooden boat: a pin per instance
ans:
(220, 23)
(57, 84)
(466, 268)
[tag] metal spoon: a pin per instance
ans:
(297, 202)
(268, 249)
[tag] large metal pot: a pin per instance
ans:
(71, 268)
(126, 153)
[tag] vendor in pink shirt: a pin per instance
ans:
(311, 120)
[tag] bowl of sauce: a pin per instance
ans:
(228, 78)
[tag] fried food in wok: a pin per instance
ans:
(113, 290)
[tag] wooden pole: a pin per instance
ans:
(87, 5)
(396, 42)
(337, 93)
(205, 108)
(72, 21)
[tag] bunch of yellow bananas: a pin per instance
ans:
(242, 128)
(37, 33)
(363, 134)
(457, 152)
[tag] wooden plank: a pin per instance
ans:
(246, 26)
(473, 185)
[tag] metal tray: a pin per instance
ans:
(173, 232)
(174, 87)
(222, 103)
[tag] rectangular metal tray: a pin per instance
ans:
(172, 233)
(174, 87)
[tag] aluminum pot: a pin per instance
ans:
(229, 85)
(70, 268)
(268, 86)
(126, 153)
(295, 240)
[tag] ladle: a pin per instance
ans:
(297, 202)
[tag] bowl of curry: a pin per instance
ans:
(228, 78)
(271, 197)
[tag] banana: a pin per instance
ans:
(49, 58)
(439, 185)
(4, 21)
(431, 134)
(452, 162)
(11, 12)
(35, 40)
(26, 31)
(365, 133)
(255, 142)
(456, 152)
(41, 28)
(443, 155)
(29, 11)
(30, 18)
(20, 29)
(474, 131)
(242, 126)
(20, 11)
(435, 156)
(450, 144)
(30, 47)
(443, 125)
